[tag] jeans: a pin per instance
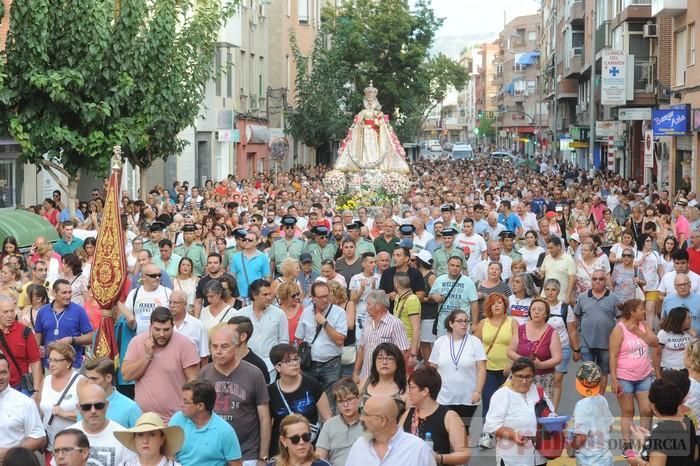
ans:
(326, 373)
(494, 380)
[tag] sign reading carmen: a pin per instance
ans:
(670, 121)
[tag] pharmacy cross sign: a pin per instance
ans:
(614, 71)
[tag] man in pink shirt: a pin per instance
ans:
(160, 361)
(681, 226)
(597, 209)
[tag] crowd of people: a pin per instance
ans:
(261, 324)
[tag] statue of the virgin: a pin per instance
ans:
(371, 143)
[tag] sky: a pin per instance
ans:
(479, 16)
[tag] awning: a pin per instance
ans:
(526, 59)
(525, 129)
(578, 144)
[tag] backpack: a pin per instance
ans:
(564, 313)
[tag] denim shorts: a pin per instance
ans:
(636, 386)
(563, 366)
(599, 356)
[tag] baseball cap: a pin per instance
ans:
(588, 379)
(305, 257)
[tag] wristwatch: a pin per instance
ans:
(577, 350)
(264, 459)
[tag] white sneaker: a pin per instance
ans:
(486, 441)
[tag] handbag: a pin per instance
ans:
(437, 318)
(304, 348)
(548, 444)
(26, 384)
(314, 429)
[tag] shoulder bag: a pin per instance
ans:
(304, 348)
(313, 428)
(548, 444)
(437, 318)
(26, 384)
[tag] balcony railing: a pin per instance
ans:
(627, 3)
(602, 36)
(644, 72)
(575, 11)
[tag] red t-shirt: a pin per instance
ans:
(694, 262)
(24, 350)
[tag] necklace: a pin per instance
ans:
(455, 358)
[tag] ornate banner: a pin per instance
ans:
(109, 270)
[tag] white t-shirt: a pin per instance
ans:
(530, 257)
(649, 268)
(145, 302)
(105, 449)
(692, 401)
(518, 308)
(209, 321)
(193, 329)
(674, 348)
(666, 286)
(458, 383)
(481, 270)
(593, 419)
(49, 397)
(476, 245)
(20, 418)
(361, 309)
(556, 321)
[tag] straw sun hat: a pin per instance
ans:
(150, 422)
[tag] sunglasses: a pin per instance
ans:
(247, 240)
(296, 295)
(628, 255)
(295, 439)
(98, 406)
(153, 275)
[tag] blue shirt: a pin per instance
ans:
(212, 445)
(122, 410)
(65, 215)
(512, 223)
(123, 334)
(72, 322)
(63, 248)
(691, 302)
(247, 270)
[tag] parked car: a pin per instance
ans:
(500, 155)
(435, 147)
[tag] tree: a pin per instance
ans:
(486, 128)
(81, 77)
(387, 43)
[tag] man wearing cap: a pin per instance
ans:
(307, 276)
(442, 254)
(447, 218)
(362, 245)
(320, 248)
(592, 420)
(507, 246)
(288, 246)
(193, 251)
(388, 239)
(155, 234)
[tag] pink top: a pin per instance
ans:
(633, 358)
(682, 227)
(539, 348)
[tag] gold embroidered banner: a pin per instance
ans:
(109, 267)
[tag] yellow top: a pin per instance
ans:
(497, 358)
(404, 309)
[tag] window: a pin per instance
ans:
(691, 44)
(531, 87)
(7, 184)
(681, 56)
(532, 36)
(303, 7)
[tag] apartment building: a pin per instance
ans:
(521, 116)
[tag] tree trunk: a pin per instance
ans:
(68, 182)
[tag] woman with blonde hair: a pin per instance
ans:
(290, 270)
(289, 299)
(295, 444)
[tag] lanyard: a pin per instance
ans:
(58, 320)
(455, 358)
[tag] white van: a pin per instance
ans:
(462, 152)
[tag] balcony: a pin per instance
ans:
(668, 7)
(573, 62)
(644, 72)
(575, 12)
(602, 36)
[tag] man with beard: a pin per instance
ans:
(383, 440)
(160, 361)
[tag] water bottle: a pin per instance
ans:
(429, 440)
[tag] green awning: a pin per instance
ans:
(25, 227)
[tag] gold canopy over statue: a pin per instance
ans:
(371, 143)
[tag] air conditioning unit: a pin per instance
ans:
(577, 51)
(650, 31)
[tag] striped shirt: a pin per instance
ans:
(389, 330)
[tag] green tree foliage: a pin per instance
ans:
(81, 77)
(385, 42)
(486, 128)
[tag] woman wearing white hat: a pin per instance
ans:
(154, 443)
